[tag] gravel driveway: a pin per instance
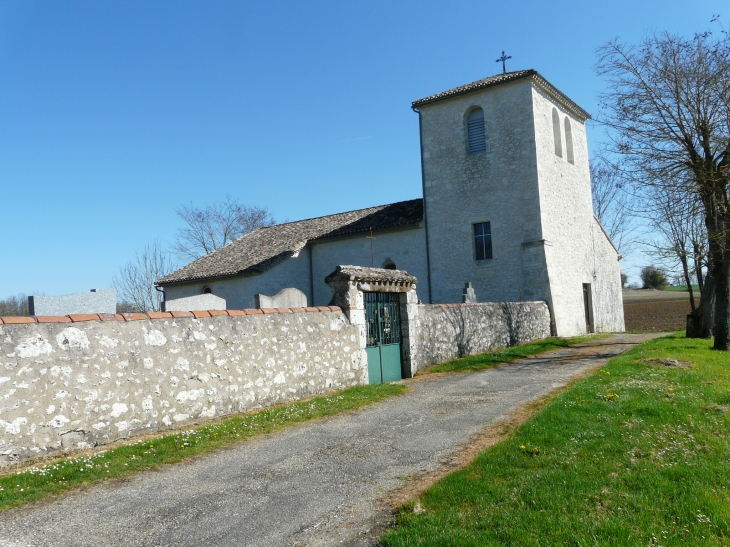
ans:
(320, 483)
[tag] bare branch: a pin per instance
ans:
(135, 282)
(667, 115)
(216, 225)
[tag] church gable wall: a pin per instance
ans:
(497, 186)
(407, 248)
(573, 251)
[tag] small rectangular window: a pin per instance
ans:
(483, 240)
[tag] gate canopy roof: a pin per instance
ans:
(373, 276)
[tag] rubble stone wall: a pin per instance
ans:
(449, 331)
(87, 381)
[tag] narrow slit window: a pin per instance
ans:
(569, 141)
(483, 240)
(556, 134)
(476, 134)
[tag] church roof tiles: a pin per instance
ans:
(499, 79)
(264, 248)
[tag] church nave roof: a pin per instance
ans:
(264, 248)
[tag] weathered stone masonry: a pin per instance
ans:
(449, 331)
(85, 381)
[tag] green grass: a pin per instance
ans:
(69, 473)
(683, 288)
(635, 455)
(506, 355)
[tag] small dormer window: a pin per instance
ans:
(206, 290)
(389, 264)
(477, 137)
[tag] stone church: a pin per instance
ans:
(506, 207)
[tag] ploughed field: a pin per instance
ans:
(648, 309)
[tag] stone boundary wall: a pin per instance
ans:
(84, 380)
(442, 332)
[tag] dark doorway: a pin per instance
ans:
(588, 305)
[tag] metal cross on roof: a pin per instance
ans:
(502, 59)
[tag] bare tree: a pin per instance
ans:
(135, 282)
(667, 110)
(612, 205)
(678, 238)
(215, 225)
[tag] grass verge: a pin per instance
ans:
(37, 482)
(506, 355)
(636, 454)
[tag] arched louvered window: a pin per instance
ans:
(568, 141)
(556, 134)
(475, 129)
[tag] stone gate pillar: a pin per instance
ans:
(348, 284)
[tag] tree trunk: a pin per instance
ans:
(700, 321)
(688, 280)
(718, 222)
(698, 266)
(722, 302)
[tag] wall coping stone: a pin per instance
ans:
(134, 316)
(79, 317)
(53, 319)
(159, 315)
(111, 317)
(198, 314)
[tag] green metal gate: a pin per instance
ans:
(382, 314)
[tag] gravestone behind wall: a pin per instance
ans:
(468, 296)
(205, 301)
(286, 298)
(94, 301)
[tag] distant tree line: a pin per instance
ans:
(15, 305)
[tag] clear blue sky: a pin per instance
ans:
(112, 114)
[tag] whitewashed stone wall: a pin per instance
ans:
(442, 332)
(498, 186)
(545, 242)
(74, 385)
(407, 248)
(577, 250)
(608, 304)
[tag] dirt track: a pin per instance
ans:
(655, 310)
